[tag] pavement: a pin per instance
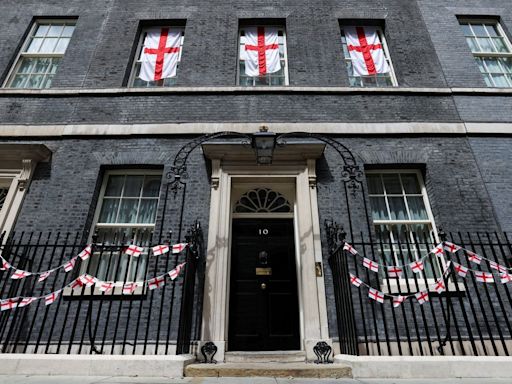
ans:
(21, 379)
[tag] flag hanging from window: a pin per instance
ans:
(261, 51)
(159, 58)
(366, 51)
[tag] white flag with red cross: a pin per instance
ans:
(347, 247)
(450, 247)
(70, 265)
(366, 51)
(43, 276)
(438, 250)
(498, 267)
(461, 270)
(50, 299)
(356, 281)
(394, 271)
(19, 274)
(88, 280)
(439, 286)
(261, 51)
(370, 264)
(398, 300)
(159, 250)
(5, 265)
(133, 250)
(473, 257)
(107, 286)
(86, 253)
(160, 54)
(176, 271)
(177, 248)
(26, 301)
(417, 266)
(422, 297)
(77, 283)
(9, 303)
(156, 282)
(484, 277)
(129, 288)
(505, 278)
(376, 295)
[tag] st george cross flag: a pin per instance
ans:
(106, 286)
(366, 51)
(5, 264)
(129, 288)
(439, 286)
(349, 248)
(498, 267)
(77, 283)
(26, 301)
(50, 299)
(261, 53)
(371, 265)
(43, 276)
(356, 281)
(395, 271)
(84, 255)
(417, 266)
(156, 282)
(484, 277)
(450, 247)
(461, 270)
(88, 280)
(473, 257)
(160, 53)
(70, 264)
(133, 250)
(160, 249)
(177, 248)
(422, 297)
(19, 274)
(176, 271)
(505, 278)
(438, 250)
(9, 303)
(376, 295)
(398, 300)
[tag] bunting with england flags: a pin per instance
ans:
(160, 54)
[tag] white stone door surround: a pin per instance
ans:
(292, 173)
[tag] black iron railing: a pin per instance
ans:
(469, 318)
(87, 320)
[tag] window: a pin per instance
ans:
(3, 196)
(276, 78)
(135, 80)
(126, 213)
(402, 217)
(492, 51)
(377, 80)
(41, 54)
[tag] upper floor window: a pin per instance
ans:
(402, 217)
(126, 213)
(41, 54)
(262, 56)
(158, 57)
(491, 49)
(367, 57)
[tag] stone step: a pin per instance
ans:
(265, 357)
(300, 370)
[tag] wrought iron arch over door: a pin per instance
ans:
(262, 200)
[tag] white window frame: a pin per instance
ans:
(387, 55)
(394, 284)
(281, 29)
(482, 55)
(24, 54)
(118, 285)
(136, 60)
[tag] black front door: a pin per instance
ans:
(264, 310)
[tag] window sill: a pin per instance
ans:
(95, 292)
(408, 286)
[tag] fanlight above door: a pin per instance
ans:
(262, 200)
